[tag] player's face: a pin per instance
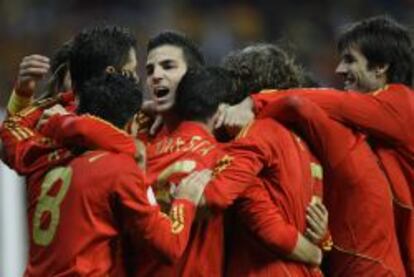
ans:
(165, 68)
(358, 76)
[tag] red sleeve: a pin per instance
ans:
(330, 140)
(168, 235)
(237, 169)
(382, 114)
(88, 131)
(26, 150)
(264, 219)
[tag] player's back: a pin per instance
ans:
(189, 147)
(73, 223)
(356, 188)
(287, 176)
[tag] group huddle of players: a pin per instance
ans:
(226, 171)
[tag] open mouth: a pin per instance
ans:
(349, 81)
(161, 92)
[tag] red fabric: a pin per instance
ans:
(106, 196)
(387, 116)
(356, 192)
(255, 208)
(106, 199)
(189, 147)
(267, 150)
(26, 150)
(88, 131)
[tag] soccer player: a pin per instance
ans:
(170, 54)
(358, 246)
(79, 210)
(284, 164)
(169, 57)
(191, 146)
(376, 63)
(93, 52)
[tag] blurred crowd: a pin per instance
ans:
(306, 28)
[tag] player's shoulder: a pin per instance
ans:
(109, 161)
(261, 128)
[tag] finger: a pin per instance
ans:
(189, 178)
(35, 72)
(312, 236)
(314, 225)
(34, 63)
(316, 213)
(36, 57)
(220, 118)
(156, 125)
(202, 178)
(322, 208)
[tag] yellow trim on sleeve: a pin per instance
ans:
(17, 103)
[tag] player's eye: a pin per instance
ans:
(168, 65)
(149, 69)
(348, 58)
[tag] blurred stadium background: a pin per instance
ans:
(306, 28)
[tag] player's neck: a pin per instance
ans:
(171, 120)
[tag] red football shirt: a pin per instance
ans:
(356, 193)
(254, 205)
(25, 150)
(77, 211)
(387, 116)
(170, 158)
(279, 158)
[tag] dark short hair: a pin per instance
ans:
(199, 93)
(112, 97)
(261, 66)
(192, 54)
(382, 41)
(96, 48)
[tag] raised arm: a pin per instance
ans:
(330, 140)
(235, 172)
(25, 149)
(383, 114)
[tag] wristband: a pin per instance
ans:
(18, 102)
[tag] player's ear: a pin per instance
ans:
(110, 69)
(381, 69)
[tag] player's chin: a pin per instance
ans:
(164, 106)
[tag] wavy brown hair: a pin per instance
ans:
(261, 66)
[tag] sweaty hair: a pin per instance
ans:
(191, 52)
(261, 66)
(96, 48)
(112, 97)
(382, 41)
(200, 92)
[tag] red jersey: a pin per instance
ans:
(254, 206)
(25, 150)
(170, 158)
(102, 194)
(387, 116)
(283, 163)
(356, 194)
(98, 196)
